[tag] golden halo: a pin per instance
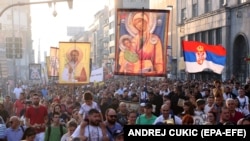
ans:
(121, 46)
(74, 48)
(129, 22)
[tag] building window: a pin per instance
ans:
(221, 3)
(204, 36)
(111, 12)
(112, 49)
(210, 37)
(183, 15)
(218, 36)
(111, 25)
(190, 37)
(111, 37)
(106, 33)
(208, 6)
(106, 21)
(197, 37)
(241, 1)
(195, 10)
(13, 47)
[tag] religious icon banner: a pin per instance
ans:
(54, 62)
(141, 42)
(74, 62)
(35, 71)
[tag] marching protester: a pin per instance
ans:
(29, 134)
(102, 106)
(36, 116)
(15, 131)
(71, 127)
(56, 130)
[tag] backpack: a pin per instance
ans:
(49, 130)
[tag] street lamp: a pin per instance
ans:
(70, 4)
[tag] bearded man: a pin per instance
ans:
(36, 117)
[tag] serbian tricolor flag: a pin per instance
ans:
(199, 56)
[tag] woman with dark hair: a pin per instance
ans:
(75, 116)
(188, 108)
(132, 115)
(29, 134)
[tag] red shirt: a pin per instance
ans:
(236, 117)
(19, 105)
(37, 116)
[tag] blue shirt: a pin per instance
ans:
(14, 135)
(117, 126)
(44, 92)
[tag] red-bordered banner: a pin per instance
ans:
(141, 42)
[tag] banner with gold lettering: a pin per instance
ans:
(141, 41)
(74, 62)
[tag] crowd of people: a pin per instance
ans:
(99, 111)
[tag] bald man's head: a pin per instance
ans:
(165, 105)
(16, 118)
(14, 122)
(165, 110)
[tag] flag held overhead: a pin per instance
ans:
(199, 56)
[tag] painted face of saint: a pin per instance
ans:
(74, 56)
(127, 43)
(140, 24)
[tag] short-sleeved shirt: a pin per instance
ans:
(177, 120)
(143, 120)
(14, 135)
(85, 109)
(55, 133)
(37, 115)
(93, 133)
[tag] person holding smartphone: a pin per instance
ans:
(93, 129)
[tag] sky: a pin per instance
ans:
(48, 30)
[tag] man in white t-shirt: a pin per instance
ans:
(209, 104)
(17, 91)
(95, 130)
(243, 101)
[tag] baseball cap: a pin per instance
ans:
(148, 105)
(118, 132)
(200, 101)
(142, 104)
